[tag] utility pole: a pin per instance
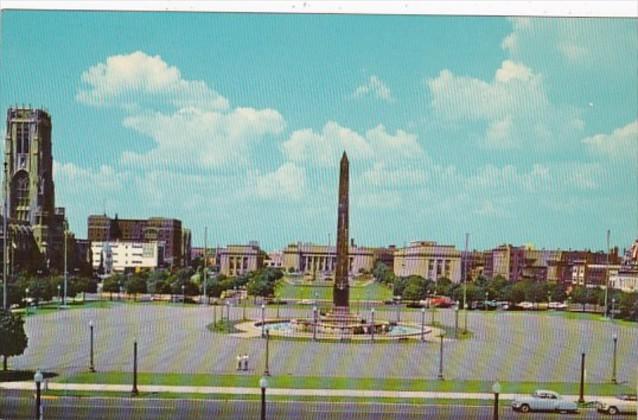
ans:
(204, 268)
(607, 274)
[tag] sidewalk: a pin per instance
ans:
(299, 392)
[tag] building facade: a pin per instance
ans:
(235, 260)
(117, 257)
(428, 260)
(321, 260)
(29, 173)
(167, 232)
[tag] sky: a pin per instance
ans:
(521, 131)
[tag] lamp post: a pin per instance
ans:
(549, 300)
(314, 323)
(373, 326)
(215, 313)
(433, 309)
(66, 271)
(26, 300)
(422, 324)
(398, 309)
(467, 238)
(59, 296)
(228, 311)
(91, 364)
(441, 357)
(266, 370)
(263, 320)
(121, 290)
(244, 308)
(38, 378)
(183, 294)
(581, 394)
(613, 307)
(456, 320)
(134, 391)
(465, 321)
(607, 275)
(486, 296)
(613, 371)
(496, 389)
(263, 384)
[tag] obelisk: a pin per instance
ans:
(340, 294)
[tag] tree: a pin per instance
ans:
(135, 284)
(111, 285)
(13, 340)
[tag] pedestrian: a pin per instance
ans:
(246, 361)
(239, 362)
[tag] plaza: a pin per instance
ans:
(504, 346)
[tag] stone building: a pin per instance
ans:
(428, 260)
(235, 260)
(321, 260)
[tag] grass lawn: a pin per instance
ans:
(48, 308)
(318, 382)
(372, 291)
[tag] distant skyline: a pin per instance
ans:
(521, 131)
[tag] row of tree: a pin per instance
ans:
(45, 288)
(416, 288)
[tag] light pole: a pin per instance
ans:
(228, 312)
(134, 391)
(486, 295)
(433, 309)
(91, 364)
(183, 294)
(263, 384)
(613, 371)
(26, 300)
(467, 238)
(607, 274)
(121, 291)
(398, 309)
(66, 271)
(204, 265)
(314, 323)
(38, 378)
(266, 370)
(549, 300)
(373, 326)
(244, 308)
(215, 313)
(422, 324)
(581, 397)
(59, 296)
(496, 389)
(263, 320)
(441, 357)
(613, 307)
(465, 321)
(456, 320)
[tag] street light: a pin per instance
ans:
(549, 300)
(91, 364)
(486, 295)
(581, 397)
(465, 326)
(456, 320)
(263, 320)
(26, 300)
(59, 297)
(372, 321)
(266, 370)
(134, 391)
(38, 378)
(314, 323)
(422, 324)
(613, 372)
(441, 356)
(398, 309)
(183, 294)
(263, 384)
(613, 307)
(496, 389)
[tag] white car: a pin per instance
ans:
(543, 400)
(625, 404)
(557, 305)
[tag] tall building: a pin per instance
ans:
(29, 172)
(168, 232)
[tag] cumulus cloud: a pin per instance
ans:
(324, 148)
(380, 175)
(620, 144)
(202, 139)
(286, 182)
(131, 80)
(374, 87)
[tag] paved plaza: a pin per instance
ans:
(508, 346)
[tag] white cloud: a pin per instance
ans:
(513, 71)
(325, 148)
(499, 134)
(380, 175)
(621, 144)
(573, 52)
(287, 182)
(131, 80)
(374, 87)
(202, 139)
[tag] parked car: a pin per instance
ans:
(625, 404)
(543, 400)
(526, 305)
(557, 305)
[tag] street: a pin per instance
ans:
(20, 405)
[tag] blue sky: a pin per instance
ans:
(521, 131)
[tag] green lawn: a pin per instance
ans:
(318, 382)
(48, 308)
(372, 291)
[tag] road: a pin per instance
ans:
(20, 405)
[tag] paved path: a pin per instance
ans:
(298, 392)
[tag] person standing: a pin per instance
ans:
(239, 361)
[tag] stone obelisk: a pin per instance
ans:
(341, 291)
